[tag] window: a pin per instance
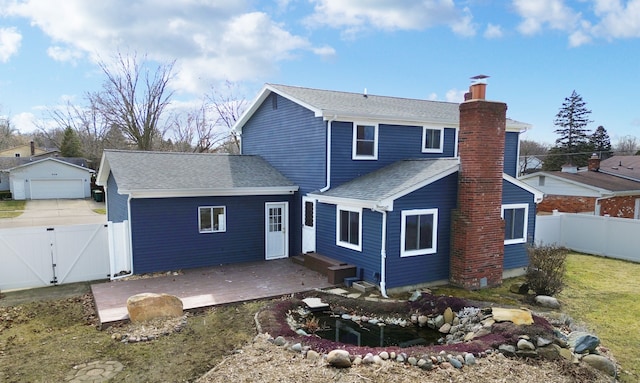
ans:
(515, 223)
(541, 180)
(365, 142)
(349, 228)
(431, 140)
(212, 219)
(419, 232)
(308, 213)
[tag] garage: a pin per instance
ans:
(50, 178)
(54, 189)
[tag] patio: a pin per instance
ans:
(210, 286)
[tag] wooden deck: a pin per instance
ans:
(210, 286)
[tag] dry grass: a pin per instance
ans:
(11, 209)
(605, 294)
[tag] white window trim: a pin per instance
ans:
(224, 218)
(347, 244)
(424, 140)
(354, 155)
(412, 253)
(525, 227)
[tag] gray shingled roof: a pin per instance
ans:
(12, 162)
(600, 180)
(375, 107)
(170, 171)
(393, 180)
(623, 166)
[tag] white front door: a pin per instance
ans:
(276, 230)
(18, 189)
(308, 224)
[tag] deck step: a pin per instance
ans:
(298, 259)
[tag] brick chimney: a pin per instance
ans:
(477, 249)
(594, 163)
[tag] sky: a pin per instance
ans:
(535, 52)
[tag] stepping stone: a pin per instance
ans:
(315, 304)
(337, 291)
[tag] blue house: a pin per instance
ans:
(409, 191)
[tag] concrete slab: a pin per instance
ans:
(57, 212)
(210, 286)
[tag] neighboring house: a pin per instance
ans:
(408, 191)
(622, 166)
(27, 150)
(187, 210)
(49, 178)
(595, 190)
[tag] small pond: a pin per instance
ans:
(335, 328)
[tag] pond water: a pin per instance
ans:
(371, 335)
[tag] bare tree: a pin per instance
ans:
(229, 105)
(627, 146)
(198, 131)
(7, 133)
(133, 98)
(530, 152)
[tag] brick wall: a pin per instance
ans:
(621, 207)
(566, 204)
(478, 229)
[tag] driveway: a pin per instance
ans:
(50, 212)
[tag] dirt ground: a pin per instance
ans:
(37, 324)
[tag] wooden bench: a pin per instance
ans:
(336, 271)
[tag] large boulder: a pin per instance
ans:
(148, 306)
(339, 358)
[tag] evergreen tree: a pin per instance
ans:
(70, 146)
(601, 143)
(571, 122)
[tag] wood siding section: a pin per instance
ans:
(166, 236)
(512, 141)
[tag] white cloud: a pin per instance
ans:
(540, 13)
(617, 20)
(10, 40)
(25, 122)
(213, 40)
(455, 95)
(493, 31)
(355, 16)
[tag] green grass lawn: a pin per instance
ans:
(11, 209)
(602, 294)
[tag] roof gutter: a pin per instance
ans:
(328, 181)
(383, 251)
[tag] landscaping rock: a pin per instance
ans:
(445, 328)
(551, 352)
(547, 301)
(455, 362)
(542, 342)
(339, 358)
(296, 347)
(384, 355)
(313, 355)
(422, 320)
(279, 341)
(525, 345)
(469, 359)
(147, 306)
(448, 315)
(438, 321)
(516, 316)
(582, 342)
(601, 363)
(507, 349)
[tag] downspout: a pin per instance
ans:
(130, 243)
(383, 251)
(328, 181)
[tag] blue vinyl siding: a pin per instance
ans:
(117, 203)
(515, 255)
(395, 143)
(291, 139)
(367, 261)
(165, 233)
(404, 271)
(512, 140)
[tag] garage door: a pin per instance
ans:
(51, 189)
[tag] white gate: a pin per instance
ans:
(44, 256)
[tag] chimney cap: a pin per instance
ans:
(479, 79)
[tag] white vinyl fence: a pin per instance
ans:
(607, 236)
(45, 256)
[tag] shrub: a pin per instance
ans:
(546, 271)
